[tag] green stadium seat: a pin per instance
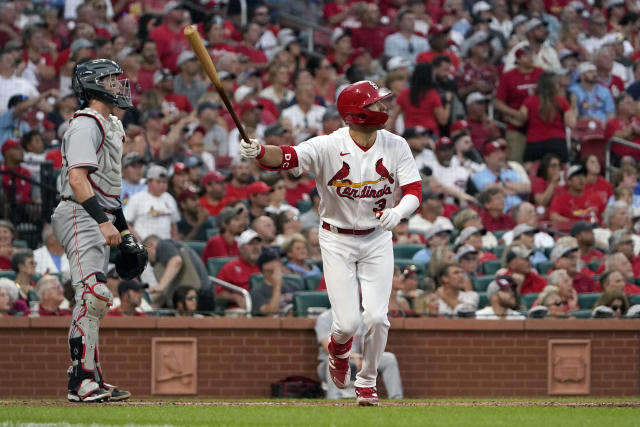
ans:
(406, 251)
(543, 267)
(634, 299)
(213, 231)
(22, 244)
(499, 233)
(257, 280)
(8, 274)
(454, 235)
(528, 299)
(304, 205)
(581, 314)
(498, 250)
(491, 267)
(215, 264)
(311, 282)
(403, 262)
(302, 301)
(547, 251)
(586, 301)
(198, 247)
(593, 265)
(483, 300)
(481, 283)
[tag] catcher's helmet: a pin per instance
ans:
(87, 83)
(355, 97)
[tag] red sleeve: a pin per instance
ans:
(403, 98)
(414, 188)
(538, 185)
(563, 103)
(556, 205)
(611, 128)
(501, 91)
(529, 102)
(433, 99)
(208, 251)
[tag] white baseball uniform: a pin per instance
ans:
(354, 183)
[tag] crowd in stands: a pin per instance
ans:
(507, 107)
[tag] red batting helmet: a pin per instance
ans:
(355, 97)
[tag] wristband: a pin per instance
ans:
(94, 209)
(120, 223)
(262, 152)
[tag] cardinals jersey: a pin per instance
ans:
(354, 182)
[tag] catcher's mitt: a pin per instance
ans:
(131, 258)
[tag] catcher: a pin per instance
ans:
(89, 219)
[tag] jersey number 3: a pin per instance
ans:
(380, 205)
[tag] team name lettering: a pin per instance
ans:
(365, 193)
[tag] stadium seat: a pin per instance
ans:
(406, 251)
(311, 282)
(547, 251)
(403, 262)
(528, 299)
(215, 264)
(634, 299)
(22, 244)
(9, 274)
(587, 300)
(498, 250)
(302, 301)
(257, 280)
(543, 267)
(304, 205)
(483, 300)
(213, 231)
(491, 267)
(198, 247)
(499, 233)
(581, 314)
(481, 283)
(593, 265)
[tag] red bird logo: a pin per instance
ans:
(383, 172)
(341, 174)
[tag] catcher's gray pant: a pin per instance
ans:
(388, 368)
(88, 257)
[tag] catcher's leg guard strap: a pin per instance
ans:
(76, 373)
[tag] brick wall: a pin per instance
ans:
(242, 357)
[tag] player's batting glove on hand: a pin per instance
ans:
(389, 219)
(251, 149)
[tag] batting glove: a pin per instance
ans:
(389, 219)
(251, 149)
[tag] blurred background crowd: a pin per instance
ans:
(521, 116)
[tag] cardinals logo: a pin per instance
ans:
(358, 190)
(341, 174)
(383, 172)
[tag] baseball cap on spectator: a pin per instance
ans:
(602, 312)
(618, 237)
(339, 33)
(428, 195)
(242, 92)
(464, 311)
(576, 170)
(468, 232)
(161, 75)
(465, 250)
(612, 38)
(481, 6)
(224, 75)
(9, 144)
(522, 50)
(247, 105)
(474, 97)
(151, 114)
(211, 177)
(561, 251)
(331, 113)
(410, 269)
(267, 254)
(185, 56)
(129, 285)
(286, 36)
(532, 24)
(459, 125)
(206, 105)
(126, 51)
(519, 20)
(187, 193)
(612, 3)
(194, 129)
(78, 44)
(16, 99)
(566, 53)
(438, 28)
(11, 46)
(397, 62)
(477, 38)
(228, 213)
(444, 142)
(193, 161)
(538, 312)
(517, 251)
(581, 226)
(577, 5)
(584, 67)
(132, 159)
(157, 171)
(275, 129)
(633, 312)
(171, 5)
(179, 167)
(257, 187)
(501, 283)
(521, 229)
(491, 146)
(435, 230)
(414, 131)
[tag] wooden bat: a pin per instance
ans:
(191, 33)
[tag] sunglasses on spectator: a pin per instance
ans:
(191, 298)
(616, 307)
(559, 303)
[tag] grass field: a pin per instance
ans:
(434, 412)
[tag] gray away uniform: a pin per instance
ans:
(95, 143)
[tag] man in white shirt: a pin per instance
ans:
(430, 213)
(544, 55)
(453, 178)
(10, 84)
(502, 301)
(153, 211)
(421, 144)
(305, 117)
(50, 258)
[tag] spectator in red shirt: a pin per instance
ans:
(566, 258)
(341, 58)
(51, 295)
(492, 213)
(39, 56)
(574, 204)
(371, 34)
(595, 181)
(149, 64)
(169, 37)
(238, 271)
(298, 187)
(439, 44)
(622, 241)
(476, 74)
(548, 113)
(250, 37)
(420, 103)
(236, 188)
(231, 225)
(603, 60)
(14, 182)
(339, 11)
(481, 127)
(217, 43)
(583, 232)
(513, 88)
(519, 269)
(130, 293)
(175, 103)
(624, 125)
(546, 184)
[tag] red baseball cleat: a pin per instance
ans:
(367, 396)
(339, 368)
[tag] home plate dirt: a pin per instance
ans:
(346, 402)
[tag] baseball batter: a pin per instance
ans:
(357, 169)
(89, 217)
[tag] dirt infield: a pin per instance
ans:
(346, 402)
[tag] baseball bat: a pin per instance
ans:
(191, 33)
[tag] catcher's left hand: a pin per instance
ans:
(132, 257)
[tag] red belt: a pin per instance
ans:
(327, 226)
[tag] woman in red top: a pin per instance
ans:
(546, 184)
(595, 182)
(420, 103)
(624, 125)
(548, 112)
